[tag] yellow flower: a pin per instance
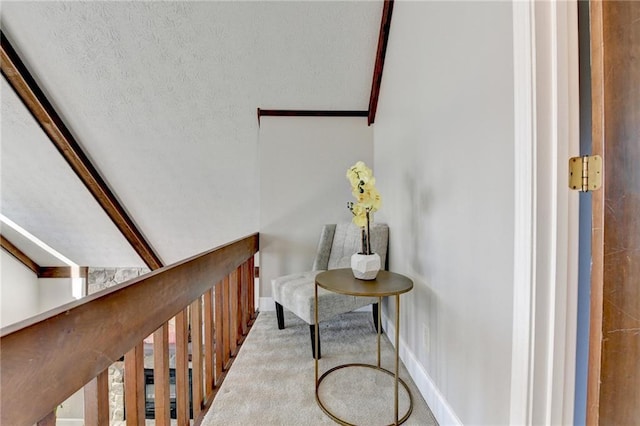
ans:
(360, 220)
(364, 191)
(363, 186)
(359, 174)
(371, 199)
(359, 214)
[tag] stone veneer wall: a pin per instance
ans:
(99, 279)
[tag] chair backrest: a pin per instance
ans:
(339, 242)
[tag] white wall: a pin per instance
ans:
(18, 290)
(54, 292)
(303, 185)
(23, 294)
(443, 141)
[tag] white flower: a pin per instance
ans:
(367, 197)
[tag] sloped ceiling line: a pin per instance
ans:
(18, 254)
(383, 40)
(25, 86)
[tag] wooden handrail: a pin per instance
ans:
(47, 358)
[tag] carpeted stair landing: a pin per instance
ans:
(271, 381)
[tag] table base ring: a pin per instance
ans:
(374, 367)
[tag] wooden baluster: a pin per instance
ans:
(182, 369)
(196, 357)
(233, 312)
(249, 287)
(244, 307)
(96, 400)
(242, 298)
(134, 385)
(252, 277)
(225, 323)
(219, 328)
(209, 380)
(161, 375)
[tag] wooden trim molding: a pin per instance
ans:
(309, 113)
(545, 245)
(18, 254)
(25, 86)
(596, 312)
(61, 272)
(522, 367)
(383, 40)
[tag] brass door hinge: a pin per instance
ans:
(585, 173)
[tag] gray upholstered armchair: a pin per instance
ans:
(296, 291)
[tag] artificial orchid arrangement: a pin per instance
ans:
(368, 200)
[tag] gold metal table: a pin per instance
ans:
(386, 284)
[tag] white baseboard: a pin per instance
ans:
(266, 304)
(439, 406)
(69, 422)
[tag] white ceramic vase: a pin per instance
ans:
(365, 266)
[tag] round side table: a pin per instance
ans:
(386, 283)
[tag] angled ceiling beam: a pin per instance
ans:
(383, 39)
(16, 73)
(18, 254)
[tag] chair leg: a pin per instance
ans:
(375, 315)
(312, 332)
(280, 316)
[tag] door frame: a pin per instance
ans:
(546, 107)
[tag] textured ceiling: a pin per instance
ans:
(163, 95)
(34, 252)
(41, 194)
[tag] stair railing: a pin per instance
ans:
(47, 358)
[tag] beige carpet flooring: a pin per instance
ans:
(272, 380)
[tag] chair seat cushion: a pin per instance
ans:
(296, 293)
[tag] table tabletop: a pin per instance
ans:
(342, 281)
